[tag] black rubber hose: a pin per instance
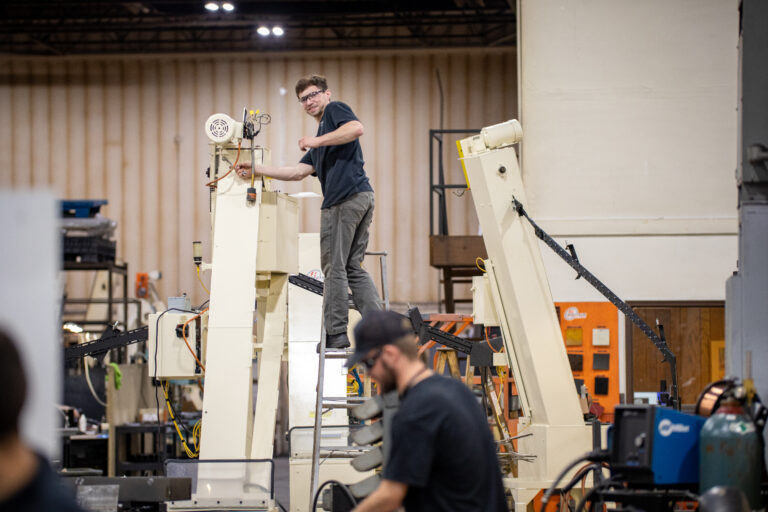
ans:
(343, 487)
(593, 456)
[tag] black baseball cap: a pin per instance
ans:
(376, 329)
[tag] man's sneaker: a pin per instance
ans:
(335, 341)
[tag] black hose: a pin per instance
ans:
(593, 456)
(586, 498)
(608, 483)
(343, 487)
(582, 473)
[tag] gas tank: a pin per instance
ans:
(730, 452)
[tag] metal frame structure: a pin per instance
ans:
(45, 27)
(440, 188)
(111, 268)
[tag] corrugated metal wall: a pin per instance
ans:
(130, 130)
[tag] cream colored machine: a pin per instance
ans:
(255, 247)
(255, 236)
(515, 294)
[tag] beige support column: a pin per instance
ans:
(274, 319)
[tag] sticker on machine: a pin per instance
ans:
(742, 427)
(667, 428)
(316, 274)
(573, 313)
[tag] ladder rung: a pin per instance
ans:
(343, 402)
(335, 354)
(339, 405)
(355, 399)
(338, 454)
(352, 448)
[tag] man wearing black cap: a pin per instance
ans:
(442, 457)
(27, 482)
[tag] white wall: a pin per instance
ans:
(629, 118)
(29, 262)
(645, 268)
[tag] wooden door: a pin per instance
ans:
(695, 333)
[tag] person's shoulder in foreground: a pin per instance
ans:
(44, 493)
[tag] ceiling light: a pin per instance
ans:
(73, 327)
(262, 31)
(228, 6)
(278, 31)
(212, 6)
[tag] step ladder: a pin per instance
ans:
(323, 403)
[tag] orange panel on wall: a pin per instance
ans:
(591, 337)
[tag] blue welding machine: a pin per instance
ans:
(655, 446)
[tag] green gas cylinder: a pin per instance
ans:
(729, 452)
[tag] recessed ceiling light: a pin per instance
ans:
(72, 327)
(278, 31)
(262, 31)
(228, 6)
(212, 6)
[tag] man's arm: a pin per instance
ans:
(289, 173)
(387, 497)
(345, 133)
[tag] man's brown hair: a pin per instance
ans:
(13, 384)
(407, 346)
(318, 81)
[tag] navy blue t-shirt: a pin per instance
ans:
(442, 448)
(339, 168)
(44, 493)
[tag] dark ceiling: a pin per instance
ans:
(35, 27)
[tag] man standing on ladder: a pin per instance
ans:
(335, 157)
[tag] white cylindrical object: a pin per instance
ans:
(220, 128)
(502, 134)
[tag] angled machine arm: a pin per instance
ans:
(109, 340)
(479, 352)
(625, 308)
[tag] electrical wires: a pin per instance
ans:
(212, 183)
(593, 456)
(155, 381)
(201, 281)
(343, 487)
(184, 336)
(191, 452)
(488, 342)
(90, 385)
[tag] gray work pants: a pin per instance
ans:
(343, 241)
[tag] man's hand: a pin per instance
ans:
(308, 142)
(244, 170)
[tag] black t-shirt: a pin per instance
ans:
(443, 450)
(339, 168)
(43, 493)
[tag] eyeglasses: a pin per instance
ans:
(311, 95)
(370, 362)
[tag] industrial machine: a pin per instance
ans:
(514, 295)
(254, 238)
(655, 446)
(520, 303)
(257, 266)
